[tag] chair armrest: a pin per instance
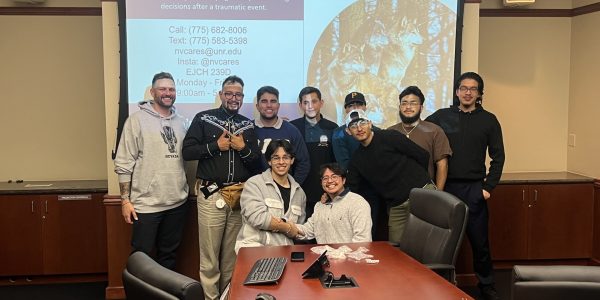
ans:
(557, 273)
(440, 266)
(555, 282)
(444, 270)
(179, 285)
(147, 270)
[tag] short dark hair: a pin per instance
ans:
(308, 90)
(162, 75)
(232, 80)
(276, 144)
(474, 76)
(266, 89)
(412, 90)
(334, 167)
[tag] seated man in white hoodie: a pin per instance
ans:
(272, 202)
(345, 217)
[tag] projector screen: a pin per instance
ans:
(339, 46)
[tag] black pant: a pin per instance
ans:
(162, 230)
(471, 192)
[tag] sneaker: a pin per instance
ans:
(488, 292)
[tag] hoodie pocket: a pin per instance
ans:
(167, 188)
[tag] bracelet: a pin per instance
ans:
(289, 230)
(123, 203)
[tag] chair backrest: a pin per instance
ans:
(435, 227)
(555, 282)
(144, 278)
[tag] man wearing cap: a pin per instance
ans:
(317, 132)
(269, 127)
(390, 163)
(343, 147)
(429, 136)
(343, 143)
(225, 145)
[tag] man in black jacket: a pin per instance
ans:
(472, 131)
(226, 147)
(317, 132)
(391, 164)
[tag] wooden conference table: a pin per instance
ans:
(396, 276)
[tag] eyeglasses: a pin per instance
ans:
(230, 95)
(411, 104)
(332, 177)
(473, 89)
(282, 158)
(360, 123)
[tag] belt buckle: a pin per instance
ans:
(204, 182)
(211, 187)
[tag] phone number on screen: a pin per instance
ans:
(217, 30)
(203, 40)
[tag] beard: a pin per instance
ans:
(231, 111)
(410, 120)
(161, 103)
(226, 105)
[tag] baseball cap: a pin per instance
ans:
(355, 97)
(355, 115)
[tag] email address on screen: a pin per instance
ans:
(208, 51)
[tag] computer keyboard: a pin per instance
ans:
(266, 270)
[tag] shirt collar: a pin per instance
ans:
(338, 197)
(277, 125)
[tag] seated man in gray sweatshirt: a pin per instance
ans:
(344, 217)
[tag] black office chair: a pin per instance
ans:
(143, 279)
(555, 282)
(434, 230)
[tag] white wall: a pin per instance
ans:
(53, 113)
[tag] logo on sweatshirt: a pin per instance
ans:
(168, 135)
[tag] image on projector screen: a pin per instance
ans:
(377, 47)
(380, 47)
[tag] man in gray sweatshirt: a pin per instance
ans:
(344, 217)
(152, 179)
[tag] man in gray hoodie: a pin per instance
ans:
(152, 179)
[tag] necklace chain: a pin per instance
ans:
(408, 132)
